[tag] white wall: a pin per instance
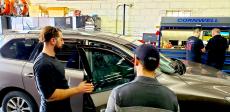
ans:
(144, 15)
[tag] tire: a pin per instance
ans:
(19, 102)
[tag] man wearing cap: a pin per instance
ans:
(144, 91)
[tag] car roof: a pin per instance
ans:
(73, 34)
(109, 38)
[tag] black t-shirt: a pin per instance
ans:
(216, 49)
(193, 49)
(50, 75)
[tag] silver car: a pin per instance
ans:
(107, 61)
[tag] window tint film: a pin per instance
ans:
(19, 48)
(109, 69)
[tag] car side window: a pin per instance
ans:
(109, 69)
(69, 56)
(19, 49)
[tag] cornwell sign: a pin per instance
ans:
(197, 20)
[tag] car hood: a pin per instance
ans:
(203, 76)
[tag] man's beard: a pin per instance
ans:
(57, 49)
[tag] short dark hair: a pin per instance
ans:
(149, 56)
(49, 32)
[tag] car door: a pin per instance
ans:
(107, 69)
(73, 71)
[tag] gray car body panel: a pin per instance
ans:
(11, 73)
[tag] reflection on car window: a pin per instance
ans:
(109, 69)
(19, 48)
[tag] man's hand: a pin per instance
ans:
(85, 87)
(203, 50)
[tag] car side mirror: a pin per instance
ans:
(179, 66)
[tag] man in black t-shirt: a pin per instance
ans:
(216, 49)
(194, 47)
(50, 75)
(144, 91)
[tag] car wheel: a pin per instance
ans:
(17, 101)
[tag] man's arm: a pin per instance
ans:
(203, 50)
(202, 46)
(60, 94)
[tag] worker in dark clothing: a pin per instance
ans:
(144, 90)
(216, 49)
(50, 75)
(194, 47)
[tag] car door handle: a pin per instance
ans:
(30, 75)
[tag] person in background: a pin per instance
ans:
(216, 49)
(168, 45)
(194, 47)
(144, 91)
(50, 75)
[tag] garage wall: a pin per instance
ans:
(144, 16)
